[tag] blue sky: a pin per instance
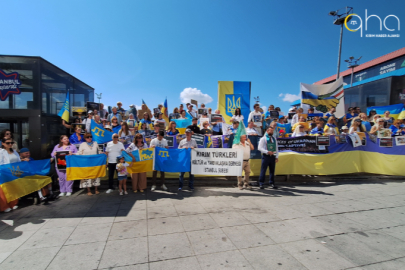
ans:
(133, 50)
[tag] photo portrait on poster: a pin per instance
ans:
(216, 118)
(400, 140)
(202, 111)
(91, 106)
(61, 160)
(274, 114)
(341, 138)
(170, 140)
(384, 133)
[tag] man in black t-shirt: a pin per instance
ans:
(194, 128)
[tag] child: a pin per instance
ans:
(122, 174)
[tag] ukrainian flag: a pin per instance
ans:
(164, 111)
(64, 112)
(232, 95)
(22, 178)
(143, 160)
(80, 167)
(182, 124)
(395, 110)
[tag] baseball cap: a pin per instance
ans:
(281, 116)
(188, 130)
(345, 127)
(24, 150)
(90, 112)
(132, 105)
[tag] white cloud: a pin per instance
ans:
(193, 93)
(280, 95)
(291, 97)
(264, 108)
(138, 107)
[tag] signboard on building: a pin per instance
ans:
(9, 83)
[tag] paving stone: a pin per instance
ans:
(247, 236)
(189, 209)
(89, 233)
(169, 246)
(282, 231)
(189, 263)
(128, 229)
(229, 219)
(10, 240)
(164, 225)
(62, 222)
(160, 212)
(125, 215)
(198, 222)
(54, 237)
(124, 252)
(393, 264)
(258, 215)
(224, 260)
(38, 258)
(210, 241)
(271, 257)
(143, 266)
(315, 255)
(397, 232)
(81, 256)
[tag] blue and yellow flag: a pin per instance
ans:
(182, 124)
(100, 134)
(394, 110)
(85, 166)
(283, 128)
(208, 142)
(143, 160)
(22, 178)
(172, 160)
(232, 95)
(164, 111)
(64, 112)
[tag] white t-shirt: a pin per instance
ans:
(251, 131)
(188, 144)
(114, 150)
(155, 142)
(87, 121)
(252, 118)
(351, 130)
(237, 118)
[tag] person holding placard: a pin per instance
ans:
(90, 147)
(237, 115)
(256, 117)
(162, 143)
(379, 125)
(131, 121)
(331, 127)
(116, 114)
(175, 114)
(216, 126)
(295, 118)
(247, 146)
(206, 129)
(269, 147)
(66, 187)
(146, 120)
(187, 143)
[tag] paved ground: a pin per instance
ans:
(352, 225)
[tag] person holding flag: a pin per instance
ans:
(241, 142)
(165, 115)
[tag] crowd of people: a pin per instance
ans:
(131, 128)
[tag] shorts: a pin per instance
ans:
(122, 177)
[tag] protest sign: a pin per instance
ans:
(341, 138)
(255, 153)
(202, 111)
(211, 161)
(300, 144)
(322, 140)
(356, 140)
(362, 136)
(193, 101)
(199, 139)
(170, 141)
(386, 142)
(91, 106)
(216, 141)
(290, 115)
(257, 119)
(274, 114)
(384, 133)
(215, 118)
(61, 160)
(400, 140)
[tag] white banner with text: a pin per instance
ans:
(217, 161)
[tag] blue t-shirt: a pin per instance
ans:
(317, 130)
(367, 125)
(350, 116)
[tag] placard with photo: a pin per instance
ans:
(74, 126)
(290, 115)
(195, 102)
(91, 106)
(131, 123)
(202, 111)
(61, 160)
(79, 111)
(386, 142)
(341, 138)
(384, 133)
(363, 138)
(170, 140)
(156, 111)
(216, 118)
(274, 114)
(400, 140)
(322, 140)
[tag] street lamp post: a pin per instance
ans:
(352, 63)
(339, 20)
(98, 96)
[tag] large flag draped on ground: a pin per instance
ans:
(395, 110)
(143, 160)
(64, 112)
(22, 178)
(100, 134)
(85, 166)
(324, 97)
(172, 160)
(164, 111)
(232, 95)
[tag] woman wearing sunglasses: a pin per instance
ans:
(7, 155)
(8, 135)
(89, 147)
(138, 179)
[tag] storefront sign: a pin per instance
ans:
(220, 161)
(9, 84)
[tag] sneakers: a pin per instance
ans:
(121, 193)
(68, 194)
(62, 194)
(179, 188)
(7, 210)
(109, 191)
(126, 193)
(15, 207)
(141, 190)
(153, 187)
(164, 187)
(261, 187)
(135, 191)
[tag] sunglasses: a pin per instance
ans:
(89, 137)
(9, 143)
(8, 133)
(115, 137)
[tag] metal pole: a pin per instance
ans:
(351, 80)
(340, 51)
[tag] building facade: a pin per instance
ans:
(378, 82)
(31, 112)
